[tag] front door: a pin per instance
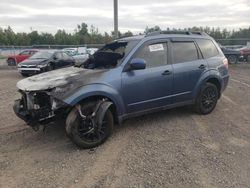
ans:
(151, 87)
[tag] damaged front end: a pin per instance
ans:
(39, 107)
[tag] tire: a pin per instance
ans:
(11, 62)
(207, 99)
(50, 67)
(232, 59)
(80, 134)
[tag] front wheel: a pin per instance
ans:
(50, 67)
(11, 62)
(85, 133)
(232, 59)
(207, 99)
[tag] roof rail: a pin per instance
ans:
(177, 32)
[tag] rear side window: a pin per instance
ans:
(184, 52)
(154, 54)
(208, 48)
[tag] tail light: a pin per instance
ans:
(225, 62)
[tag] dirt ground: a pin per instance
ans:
(173, 148)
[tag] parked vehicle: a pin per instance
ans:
(45, 60)
(15, 59)
(80, 58)
(126, 78)
(233, 56)
(91, 51)
(70, 51)
(82, 55)
(245, 54)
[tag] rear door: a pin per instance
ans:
(188, 66)
(151, 87)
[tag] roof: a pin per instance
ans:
(168, 34)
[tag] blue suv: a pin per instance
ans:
(126, 78)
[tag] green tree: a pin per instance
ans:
(152, 29)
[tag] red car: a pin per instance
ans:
(245, 54)
(15, 59)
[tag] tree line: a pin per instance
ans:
(91, 35)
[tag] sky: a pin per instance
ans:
(134, 15)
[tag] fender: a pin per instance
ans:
(102, 111)
(203, 79)
(97, 90)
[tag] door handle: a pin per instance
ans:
(202, 66)
(167, 72)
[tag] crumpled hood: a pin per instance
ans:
(60, 77)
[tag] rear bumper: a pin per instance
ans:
(225, 81)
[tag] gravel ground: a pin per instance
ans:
(173, 148)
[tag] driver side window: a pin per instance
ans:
(154, 54)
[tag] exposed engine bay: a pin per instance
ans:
(107, 57)
(37, 107)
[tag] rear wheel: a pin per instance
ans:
(207, 99)
(85, 133)
(11, 62)
(232, 59)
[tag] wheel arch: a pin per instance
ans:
(211, 77)
(113, 107)
(216, 82)
(97, 92)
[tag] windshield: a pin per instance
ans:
(110, 55)
(42, 55)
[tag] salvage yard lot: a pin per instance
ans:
(174, 148)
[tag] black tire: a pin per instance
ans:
(207, 99)
(50, 67)
(11, 62)
(78, 129)
(232, 59)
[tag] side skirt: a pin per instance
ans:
(152, 110)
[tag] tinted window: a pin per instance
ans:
(184, 52)
(154, 54)
(208, 48)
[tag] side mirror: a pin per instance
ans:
(137, 64)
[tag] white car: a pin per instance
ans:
(91, 51)
(70, 51)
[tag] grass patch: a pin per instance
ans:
(2, 57)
